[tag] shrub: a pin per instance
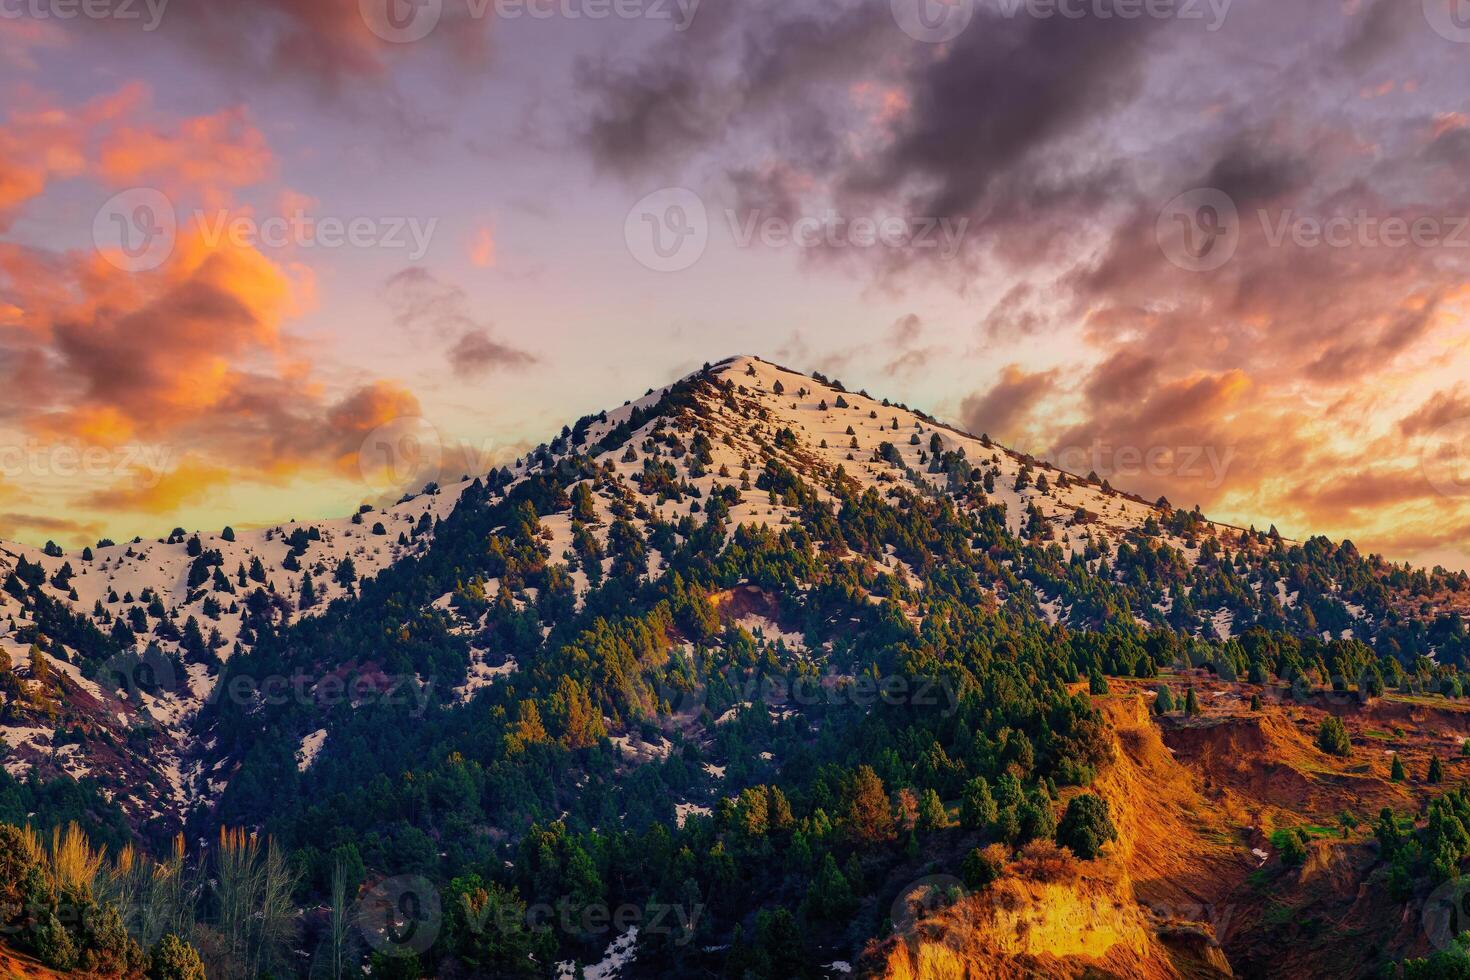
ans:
(981, 867)
(1332, 737)
(1086, 826)
(174, 959)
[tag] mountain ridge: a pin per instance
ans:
(732, 583)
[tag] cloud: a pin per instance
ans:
(1441, 409)
(1002, 410)
(17, 524)
(423, 303)
(475, 354)
(482, 248)
(204, 153)
(192, 481)
(192, 360)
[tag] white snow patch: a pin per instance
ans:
(683, 811)
(311, 747)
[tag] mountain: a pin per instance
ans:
(756, 660)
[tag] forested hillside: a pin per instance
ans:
(714, 685)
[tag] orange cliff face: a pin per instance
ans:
(1193, 887)
(1140, 912)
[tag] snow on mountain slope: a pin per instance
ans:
(754, 411)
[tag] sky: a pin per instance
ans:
(270, 260)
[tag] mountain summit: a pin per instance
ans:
(752, 634)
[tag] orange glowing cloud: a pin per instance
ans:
(206, 153)
(482, 249)
(193, 358)
(190, 482)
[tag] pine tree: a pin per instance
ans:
(40, 669)
(977, 806)
(308, 592)
(1396, 771)
(1164, 703)
(583, 507)
(1191, 703)
(932, 815)
(1436, 771)
(1332, 737)
(1086, 826)
(830, 895)
(869, 815)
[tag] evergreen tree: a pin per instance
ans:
(932, 815)
(1332, 737)
(1436, 771)
(870, 818)
(977, 806)
(829, 896)
(1086, 826)
(1396, 770)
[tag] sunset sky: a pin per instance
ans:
(1219, 253)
